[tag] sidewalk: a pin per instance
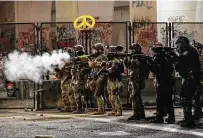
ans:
(56, 114)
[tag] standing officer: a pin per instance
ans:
(188, 67)
(162, 67)
(114, 85)
(66, 91)
(80, 71)
(199, 92)
(138, 73)
(99, 81)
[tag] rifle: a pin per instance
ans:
(79, 59)
(111, 55)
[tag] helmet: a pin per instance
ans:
(79, 50)
(98, 46)
(182, 44)
(119, 48)
(158, 44)
(112, 48)
(182, 39)
(135, 46)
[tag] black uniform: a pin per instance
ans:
(163, 69)
(188, 67)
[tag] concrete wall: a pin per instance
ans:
(7, 13)
(33, 11)
(144, 11)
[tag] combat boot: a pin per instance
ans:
(113, 112)
(170, 120)
(73, 109)
(119, 112)
(142, 113)
(79, 110)
(99, 112)
(134, 116)
(157, 120)
(66, 109)
(187, 124)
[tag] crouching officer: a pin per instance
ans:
(138, 73)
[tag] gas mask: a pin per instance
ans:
(79, 53)
(181, 48)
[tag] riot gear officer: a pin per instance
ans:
(80, 73)
(138, 73)
(188, 67)
(163, 69)
(114, 77)
(98, 84)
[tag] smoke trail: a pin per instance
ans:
(24, 66)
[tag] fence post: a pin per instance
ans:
(38, 28)
(169, 31)
(129, 29)
(86, 42)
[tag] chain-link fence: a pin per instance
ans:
(20, 37)
(146, 34)
(192, 30)
(58, 35)
(109, 33)
(49, 36)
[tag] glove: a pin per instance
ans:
(92, 64)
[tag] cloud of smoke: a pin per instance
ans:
(25, 66)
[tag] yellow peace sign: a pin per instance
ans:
(85, 24)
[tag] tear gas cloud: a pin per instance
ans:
(25, 66)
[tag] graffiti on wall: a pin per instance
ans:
(10, 11)
(142, 3)
(102, 32)
(183, 29)
(7, 38)
(25, 38)
(147, 33)
(180, 18)
(17, 36)
(66, 36)
(59, 36)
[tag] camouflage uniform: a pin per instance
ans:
(114, 87)
(98, 83)
(137, 75)
(80, 72)
(66, 90)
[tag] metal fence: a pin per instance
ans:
(192, 30)
(47, 36)
(56, 35)
(147, 33)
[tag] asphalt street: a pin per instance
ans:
(21, 124)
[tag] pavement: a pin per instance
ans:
(29, 124)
